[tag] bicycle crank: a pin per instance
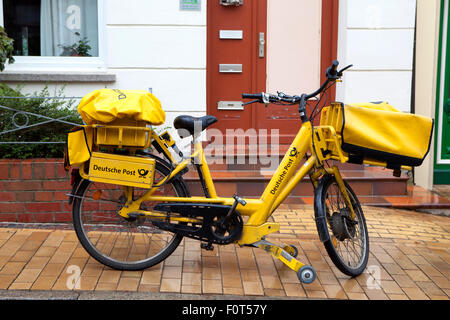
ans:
(216, 224)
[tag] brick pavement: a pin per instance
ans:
(409, 252)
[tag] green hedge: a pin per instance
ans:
(51, 132)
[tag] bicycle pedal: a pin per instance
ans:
(239, 200)
(207, 246)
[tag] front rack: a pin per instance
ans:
(328, 138)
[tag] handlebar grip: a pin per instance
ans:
(334, 65)
(332, 70)
(252, 96)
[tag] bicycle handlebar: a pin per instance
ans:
(252, 96)
(268, 98)
(332, 75)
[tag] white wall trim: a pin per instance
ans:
(2, 22)
(342, 45)
(158, 68)
(115, 25)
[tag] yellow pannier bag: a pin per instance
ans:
(108, 105)
(78, 147)
(379, 131)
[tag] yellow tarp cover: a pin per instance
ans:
(382, 132)
(107, 105)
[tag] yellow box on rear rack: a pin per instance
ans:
(123, 133)
(122, 170)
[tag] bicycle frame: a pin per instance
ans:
(259, 210)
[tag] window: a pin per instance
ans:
(50, 50)
(52, 27)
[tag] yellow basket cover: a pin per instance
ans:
(380, 131)
(107, 105)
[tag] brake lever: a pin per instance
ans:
(266, 99)
(254, 101)
(289, 99)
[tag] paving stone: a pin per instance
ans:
(128, 284)
(252, 288)
(212, 286)
(170, 285)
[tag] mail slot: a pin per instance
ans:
(235, 3)
(231, 34)
(230, 105)
(230, 68)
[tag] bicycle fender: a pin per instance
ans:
(319, 211)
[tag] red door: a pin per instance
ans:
(236, 65)
(233, 63)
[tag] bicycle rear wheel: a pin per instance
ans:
(123, 244)
(346, 239)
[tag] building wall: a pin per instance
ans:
(377, 37)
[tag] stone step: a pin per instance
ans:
(251, 183)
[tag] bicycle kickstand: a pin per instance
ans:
(306, 274)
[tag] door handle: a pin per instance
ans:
(262, 44)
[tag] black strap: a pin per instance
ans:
(355, 159)
(393, 166)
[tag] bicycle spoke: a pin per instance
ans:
(351, 249)
(125, 240)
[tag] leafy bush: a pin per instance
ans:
(6, 49)
(50, 132)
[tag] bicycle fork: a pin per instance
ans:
(287, 254)
(337, 174)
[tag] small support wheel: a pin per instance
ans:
(292, 250)
(306, 274)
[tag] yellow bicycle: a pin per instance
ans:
(132, 226)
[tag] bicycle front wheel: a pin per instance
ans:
(347, 239)
(117, 242)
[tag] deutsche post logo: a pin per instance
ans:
(143, 173)
(293, 152)
(121, 95)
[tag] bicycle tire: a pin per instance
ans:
(180, 189)
(332, 242)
